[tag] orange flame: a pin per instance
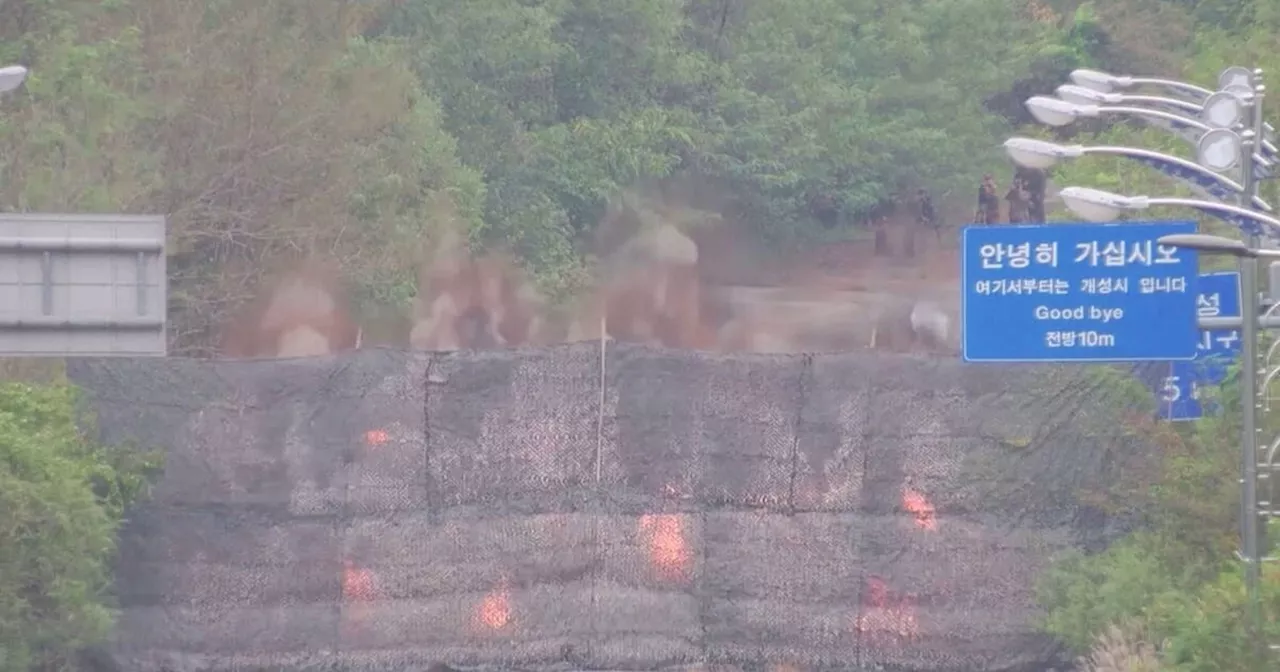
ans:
(884, 613)
(668, 551)
(357, 583)
(494, 611)
(921, 508)
(376, 437)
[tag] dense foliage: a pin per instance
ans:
(266, 130)
(62, 499)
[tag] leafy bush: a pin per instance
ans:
(1121, 649)
(62, 499)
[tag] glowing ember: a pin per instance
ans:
(885, 614)
(357, 583)
(921, 508)
(668, 550)
(376, 437)
(358, 595)
(494, 612)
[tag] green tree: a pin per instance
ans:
(62, 498)
(264, 131)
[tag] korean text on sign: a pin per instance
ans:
(1179, 393)
(1083, 292)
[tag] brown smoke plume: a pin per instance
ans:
(654, 287)
(465, 302)
(303, 313)
(651, 294)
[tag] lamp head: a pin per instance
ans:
(1096, 80)
(1236, 76)
(1219, 150)
(1039, 154)
(1096, 205)
(1055, 112)
(1083, 95)
(1206, 243)
(1224, 109)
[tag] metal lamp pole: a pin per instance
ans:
(1247, 257)
(1103, 206)
(1043, 155)
(1247, 86)
(1249, 518)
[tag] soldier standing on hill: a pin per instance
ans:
(928, 216)
(880, 224)
(988, 202)
(1018, 201)
(1033, 180)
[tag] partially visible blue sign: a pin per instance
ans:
(1077, 293)
(1179, 393)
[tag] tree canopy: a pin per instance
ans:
(270, 130)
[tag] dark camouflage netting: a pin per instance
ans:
(505, 510)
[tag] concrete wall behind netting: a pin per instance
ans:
(386, 510)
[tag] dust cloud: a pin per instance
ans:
(667, 275)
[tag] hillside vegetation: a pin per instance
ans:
(272, 130)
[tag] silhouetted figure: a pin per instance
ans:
(928, 216)
(880, 225)
(1018, 201)
(988, 202)
(1033, 181)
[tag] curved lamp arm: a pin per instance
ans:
(1161, 100)
(1268, 147)
(1167, 116)
(1147, 112)
(1183, 164)
(1230, 213)
(1191, 90)
(1198, 94)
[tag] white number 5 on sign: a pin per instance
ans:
(1170, 392)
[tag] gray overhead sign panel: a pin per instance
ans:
(82, 285)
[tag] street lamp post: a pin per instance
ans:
(1081, 95)
(1235, 81)
(1238, 105)
(1058, 112)
(1101, 206)
(11, 77)
(1102, 81)
(1096, 205)
(1247, 257)
(1043, 155)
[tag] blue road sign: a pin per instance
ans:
(1179, 392)
(1077, 293)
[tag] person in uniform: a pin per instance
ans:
(1033, 181)
(928, 216)
(1018, 201)
(880, 224)
(988, 202)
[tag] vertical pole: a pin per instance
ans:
(1249, 406)
(1249, 392)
